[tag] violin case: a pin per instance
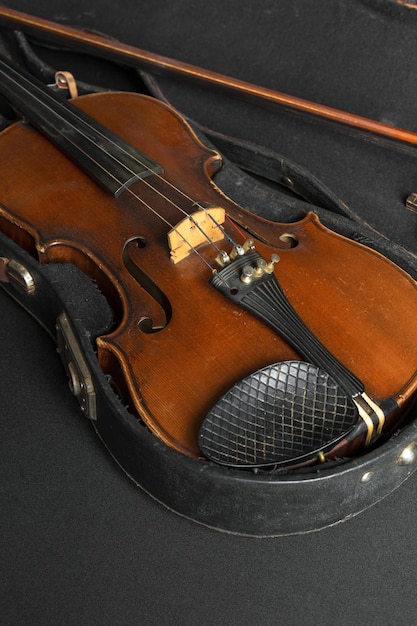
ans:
(278, 163)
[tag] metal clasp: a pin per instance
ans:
(18, 275)
(79, 376)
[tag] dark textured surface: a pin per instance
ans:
(79, 543)
(280, 414)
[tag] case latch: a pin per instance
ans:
(18, 275)
(79, 377)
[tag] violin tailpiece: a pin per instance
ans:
(264, 298)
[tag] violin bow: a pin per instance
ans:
(113, 50)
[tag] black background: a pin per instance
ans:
(79, 543)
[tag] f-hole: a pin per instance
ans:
(146, 323)
(290, 240)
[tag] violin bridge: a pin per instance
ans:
(203, 226)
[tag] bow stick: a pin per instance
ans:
(132, 56)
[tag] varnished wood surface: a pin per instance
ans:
(359, 305)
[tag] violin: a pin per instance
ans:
(236, 340)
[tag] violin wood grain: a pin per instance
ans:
(360, 305)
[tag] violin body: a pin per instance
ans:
(177, 344)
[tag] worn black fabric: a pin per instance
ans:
(79, 542)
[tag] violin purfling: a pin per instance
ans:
(236, 339)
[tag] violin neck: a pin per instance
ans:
(106, 158)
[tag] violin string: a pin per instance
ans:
(161, 217)
(67, 110)
(109, 173)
